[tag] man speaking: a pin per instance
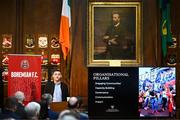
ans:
(57, 88)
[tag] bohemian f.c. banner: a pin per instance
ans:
(25, 75)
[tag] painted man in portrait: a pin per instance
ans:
(115, 36)
(118, 45)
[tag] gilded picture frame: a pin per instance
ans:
(114, 34)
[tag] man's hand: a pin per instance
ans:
(112, 42)
(106, 37)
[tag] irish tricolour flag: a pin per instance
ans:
(65, 24)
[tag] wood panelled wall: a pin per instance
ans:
(79, 71)
(8, 20)
(42, 16)
(151, 44)
(175, 15)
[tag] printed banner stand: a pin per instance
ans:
(25, 75)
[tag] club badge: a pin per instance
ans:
(25, 64)
(42, 42)
(7, 41)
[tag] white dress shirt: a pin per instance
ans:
(57, 95)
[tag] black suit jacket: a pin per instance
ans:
(49, 88)
(20, 111)
(9, 114)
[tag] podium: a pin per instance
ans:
(58, 106)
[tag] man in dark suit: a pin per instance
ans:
(57, 88)
(117, 42)
(74, 104)
(9, 109)
(19, 95)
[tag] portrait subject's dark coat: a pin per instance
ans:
(122, 49)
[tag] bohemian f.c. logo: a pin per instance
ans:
(25, 64)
